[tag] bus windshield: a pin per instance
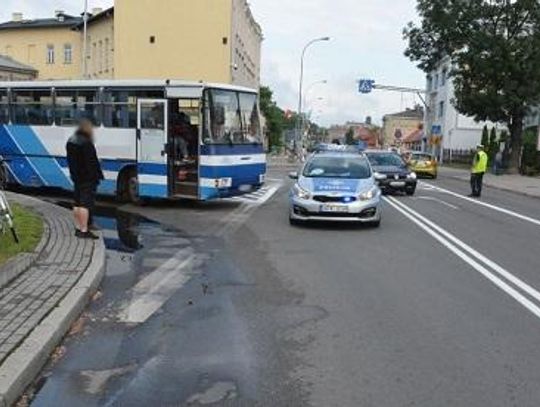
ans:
(231, 118)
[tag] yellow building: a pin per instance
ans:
(207, 40)
(49, 45)
(399, 127)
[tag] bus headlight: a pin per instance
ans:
(300, 192)
(368, 195)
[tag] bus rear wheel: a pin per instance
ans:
(129, 187)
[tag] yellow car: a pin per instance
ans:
(423, 164)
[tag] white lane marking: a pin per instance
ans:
(429, 228)
(430, 198)
(248, 205)
(149, 294)
(497, 268)
(487, 205)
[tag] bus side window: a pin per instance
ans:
(4, 107)
(74, 105)
(32, 107)
(120, 106)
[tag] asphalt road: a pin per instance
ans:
(225, 304)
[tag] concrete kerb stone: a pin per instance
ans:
(21, 367)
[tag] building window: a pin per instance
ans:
(152, 39)
(94, 58)
(50, 54)
(101, 59)
(106, 62)
(68, 54)
(441, 109)
(31, 54)
(443, 77)
(436, 82)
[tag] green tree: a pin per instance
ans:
(493, 146)
(274, 118)
(493, 47)
(349, 136)
(485, 136)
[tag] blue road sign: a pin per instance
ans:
(365, 85)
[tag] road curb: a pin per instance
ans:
(21, 367)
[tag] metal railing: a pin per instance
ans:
(6, 214)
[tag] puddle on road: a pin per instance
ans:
(188, 344)
(220, 391)
(93, 364)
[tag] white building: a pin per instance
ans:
(458, 132)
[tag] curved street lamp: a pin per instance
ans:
(301, 84)
(310, 87)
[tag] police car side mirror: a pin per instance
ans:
(293, 175)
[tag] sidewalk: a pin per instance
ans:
(282, 161)
(41, 295)
(529, 186)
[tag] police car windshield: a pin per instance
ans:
(385, 160)
(337, 167)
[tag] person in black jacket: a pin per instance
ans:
(86, 174)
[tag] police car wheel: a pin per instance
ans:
(294, 222)
(375, 224)
(410, 191)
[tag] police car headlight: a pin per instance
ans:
(300, 192)
(412, 175)
(378, 176)
(368, 195)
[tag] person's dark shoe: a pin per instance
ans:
(86, 235)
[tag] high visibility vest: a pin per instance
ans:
(480, 163)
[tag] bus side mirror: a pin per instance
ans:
(293, 175)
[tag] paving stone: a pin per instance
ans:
(32, 295)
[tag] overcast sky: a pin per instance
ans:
(366, 42)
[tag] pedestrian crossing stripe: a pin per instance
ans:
(258, 197)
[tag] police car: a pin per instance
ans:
(335, 184)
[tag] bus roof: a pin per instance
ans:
(111, 83)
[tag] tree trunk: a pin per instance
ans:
(516, 143)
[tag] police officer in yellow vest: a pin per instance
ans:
(479, 168)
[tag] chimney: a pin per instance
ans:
(96, 11)
(59, 15)
(17, 17)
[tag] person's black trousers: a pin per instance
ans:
(476, 184)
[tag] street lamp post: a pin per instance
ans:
(301, 86)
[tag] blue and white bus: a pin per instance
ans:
(155, 139)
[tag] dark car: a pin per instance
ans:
(391, 172)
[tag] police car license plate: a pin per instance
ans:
(334, 208)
